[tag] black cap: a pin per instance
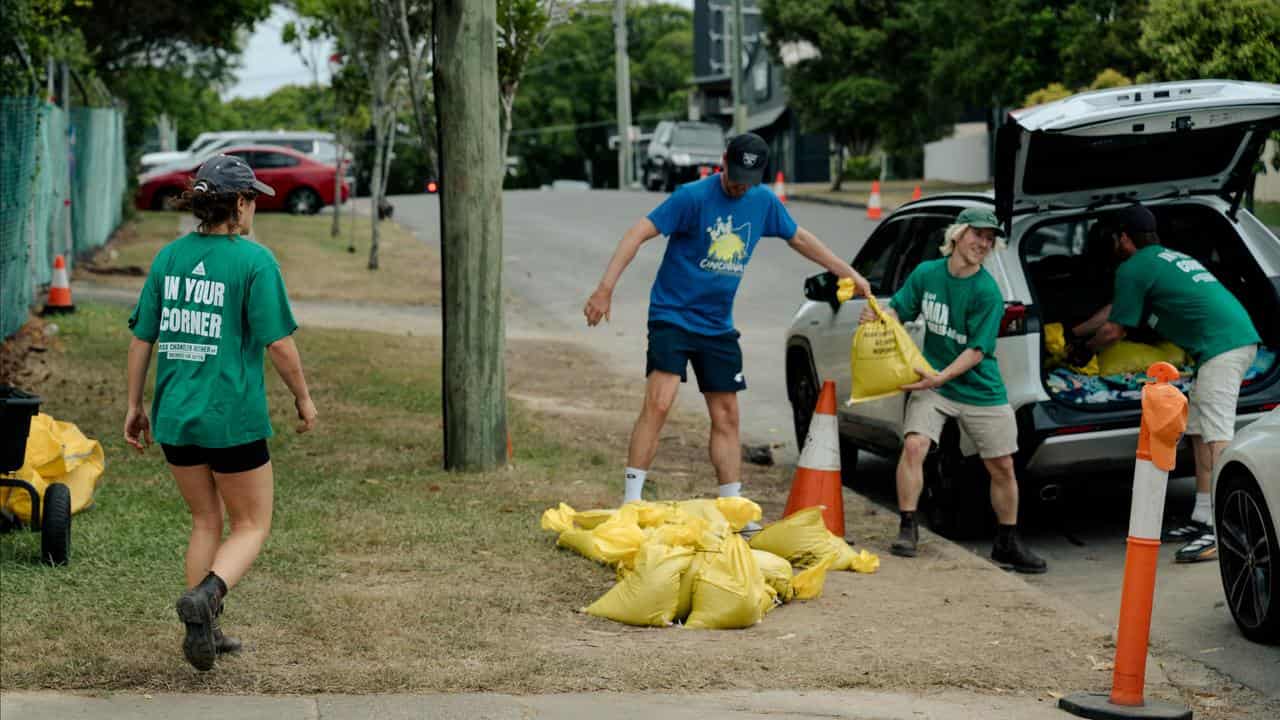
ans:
(747, 155)
(228, 173)
(1134, 219)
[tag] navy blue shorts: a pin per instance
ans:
(716, 359)
(239, 458)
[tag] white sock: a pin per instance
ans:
(1204, 509)
(731, 489)
(634, 479)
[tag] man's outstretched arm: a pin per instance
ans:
(808, 245)
(598, 304)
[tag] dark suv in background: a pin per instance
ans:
(678, 152)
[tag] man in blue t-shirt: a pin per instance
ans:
(712, 227)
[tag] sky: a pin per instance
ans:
(268, 64)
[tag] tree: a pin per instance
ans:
(565, 111)
(524, 26)
(465, 57)
(1231, 39)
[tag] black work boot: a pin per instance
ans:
(908, 537)
(1010, 554)
(223, 644)
(198, 608)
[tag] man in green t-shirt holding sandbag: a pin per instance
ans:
(1185, 304)
(962, 307)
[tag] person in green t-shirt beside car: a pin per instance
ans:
(214, 303)
(961, 306)
(1174, 295)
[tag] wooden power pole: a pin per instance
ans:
(466, 86)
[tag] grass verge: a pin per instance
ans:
(316, 265)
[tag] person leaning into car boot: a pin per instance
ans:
(215, 301)
(712, 226)
(962, 307)
(1186, 305)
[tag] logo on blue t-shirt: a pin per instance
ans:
(727, 251)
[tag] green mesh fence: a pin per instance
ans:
(19, 128)
(49, 159)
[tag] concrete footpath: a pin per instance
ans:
(739, 705)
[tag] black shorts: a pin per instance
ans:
(235, 459)
(716, 359)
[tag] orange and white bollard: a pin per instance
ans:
(780, 187)
(1164, 418)
(59, 290)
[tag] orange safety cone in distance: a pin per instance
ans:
(704, 171)
(817, 478)
(915, 194)
(59, 290)
(873, 202)
(1164, 418)
(780, 187)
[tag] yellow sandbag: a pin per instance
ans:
(730, 591)
(558, 519)
(688, 534)
(619, 538)
(802, 538)
(883, 358)
(808, 584)
(707, 509)
(777, 573)
(650, 595)
(1127, 356)
(581, 542)
(738, 511)
(687, 581)
(865, 562)
(1055, 345)
(56, 452)
(651, 514)
(589, 519)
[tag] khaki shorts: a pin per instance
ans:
(1211, 411)
(991, 427)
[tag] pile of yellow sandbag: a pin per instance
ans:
(685, 562)
(57, 451)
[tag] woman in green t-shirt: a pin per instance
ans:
(215, 303)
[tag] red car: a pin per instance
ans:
(303, 185)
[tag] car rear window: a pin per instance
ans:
(1054, 165)
(698, 137)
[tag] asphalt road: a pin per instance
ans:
(556, 247)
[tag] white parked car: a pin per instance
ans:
(319, 145)
(1186, 150)
(1246, 503)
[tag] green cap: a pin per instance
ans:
(979, 218)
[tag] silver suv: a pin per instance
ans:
(1186, 150)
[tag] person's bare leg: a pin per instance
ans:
(1004, 489)
(195, 483)
(910, 474)
(725, 446)
(659, 397)
(249, 496)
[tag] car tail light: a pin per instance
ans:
(1014, 321)
(432, 187)
(1268, 407)
(1074, 429)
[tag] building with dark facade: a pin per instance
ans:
(803, 157)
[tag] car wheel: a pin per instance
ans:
(304, 201)
(957, 493)
(55, 525)
(166, 199)
(668, 181)
(1248, 554)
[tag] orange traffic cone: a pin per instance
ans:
(779, 187)
(915, 194)
(817, 478)
(59, 290)
(873, 202)
(704, 171)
